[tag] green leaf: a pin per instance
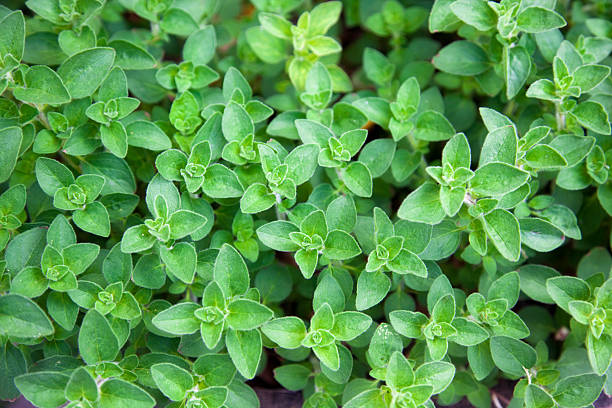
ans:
(512, 356)
(12, 34)
(540, 235)
(537, 397)
(518, 65)
(323, 16)
(244, 348)
(372, 287)
(593, 116)
(399, 373)
(11, 139)
(433, 126)
(81, 385)
(369, 398)
(172, 381)
(423, 205)
(475, 13)
(80, 256)
(328, 355)
(494, 179)
(185, 222)
(287, 332)
(579, 390)
(20, 317)
(42, 86)
(438, 374)
(535, 19)
(599, 351)
(245, 314)
(408, 323)
(180, 260)
(97, 341)
(29, 282)
(481, 362)
(52, 175)
(83, 72)
(93, 219)
(506, 287)
(230, 272)
(468, 332)
(118, 177)
(275, 25)
(462, 58)
(236, 122)
(564, 289)
(589, 76)
(329, 291)
(293, 377)
(44, 389)
(457, 152)
(217, 369)
(503, 229)
(377, 67)
(256, 199)
(70, 42)
(533, 281)
(200, 46)
(377, 156)
(276, 235)
(131, 56)
(341, 214)
(121, 394)
(137, 239)
(442, 17)
(147, 135)
(302, 163)
(340, 245)
(25, 249)
(375, 109)
(358, 179)
(178, 319)
(62, 309)
(348, 325)
(114, 138)
(500, 145)
(269, 48)
(437, 348)
(544, 157)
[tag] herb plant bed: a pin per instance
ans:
(368, 204)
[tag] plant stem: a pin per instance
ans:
(560, 117)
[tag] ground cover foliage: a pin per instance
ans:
(377, 203)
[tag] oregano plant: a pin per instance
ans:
(369, 203)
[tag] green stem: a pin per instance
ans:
(559, 116)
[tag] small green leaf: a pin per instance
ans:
(122, 394)
(512, 356)
(287, 332)
(20, 317)
(83, 72)
(535, 19)
(97, 341)
(503, 229)
(172, 381)
(44, 389)
(244, 348)
(245, 314)
(462, 58)
(230, 272)
(178, 319)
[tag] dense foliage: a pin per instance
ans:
(378, 203)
